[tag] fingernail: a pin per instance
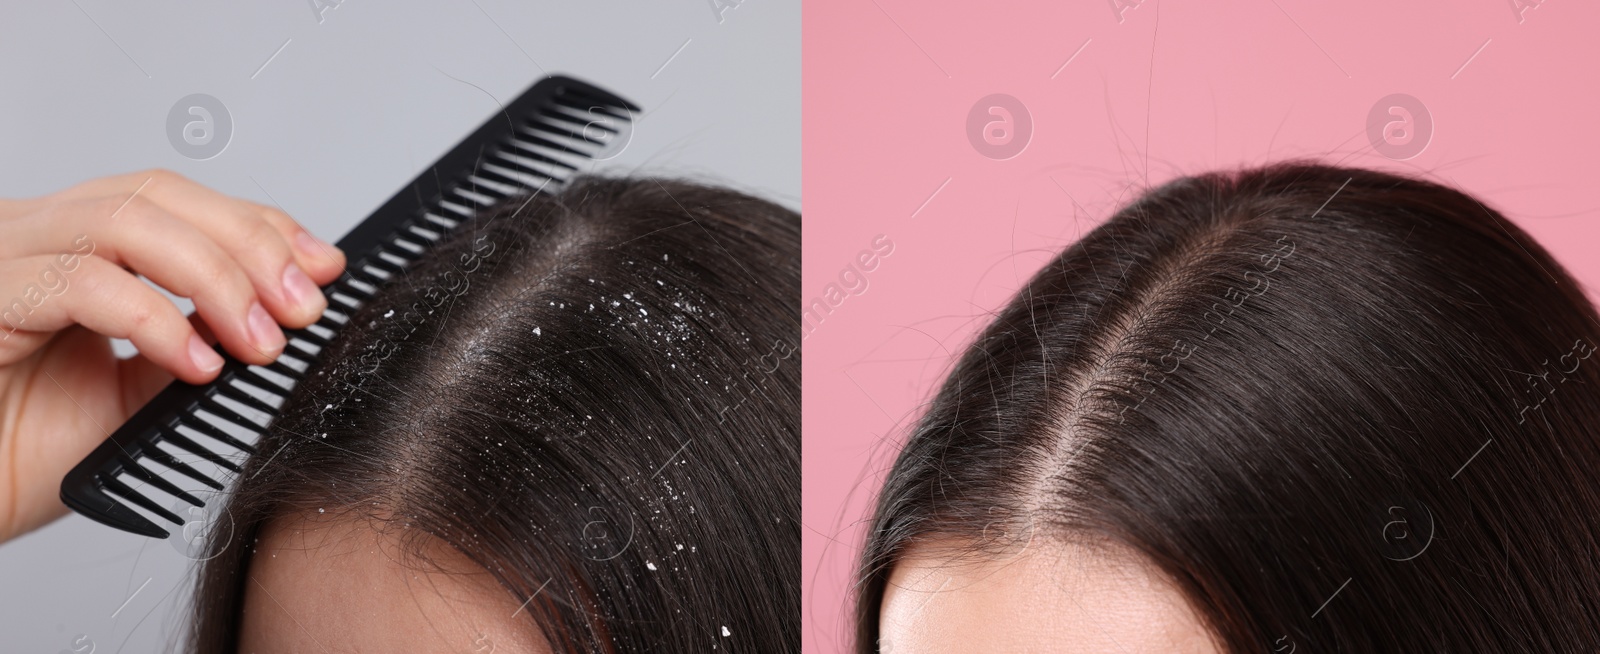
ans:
(300, 291)
(263, 330)
(204, 358)
(312, 246)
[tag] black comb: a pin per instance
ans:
(534, 145)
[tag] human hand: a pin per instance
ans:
(69, 263)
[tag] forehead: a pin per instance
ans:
(339, 585)
(1043, 598)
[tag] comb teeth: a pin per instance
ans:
(541, 139)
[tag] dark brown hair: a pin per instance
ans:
(1343, 410)
(595, 393)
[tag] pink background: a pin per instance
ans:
(1170, 89)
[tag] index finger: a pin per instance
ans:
(204, 207)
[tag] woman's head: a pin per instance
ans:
(1299, 406)
(574, 425)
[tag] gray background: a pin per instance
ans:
(356, 103)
